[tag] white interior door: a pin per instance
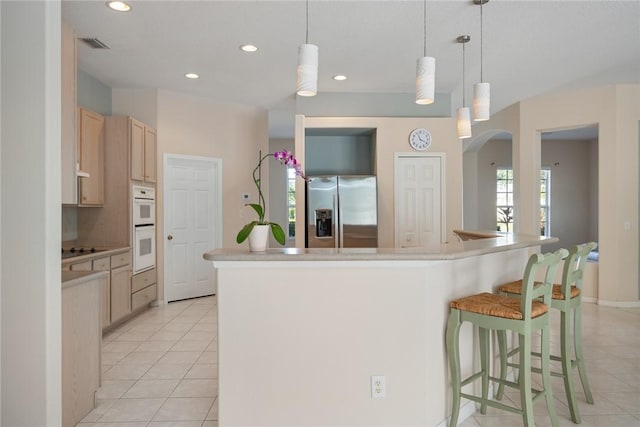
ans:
(418, 204)
(192, 224)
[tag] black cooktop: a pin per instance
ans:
(74, 252)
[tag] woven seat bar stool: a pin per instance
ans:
(523, 316)
(572, 275)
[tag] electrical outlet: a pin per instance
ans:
(378, 387)
(246, 198)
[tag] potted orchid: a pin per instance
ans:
(286, 158)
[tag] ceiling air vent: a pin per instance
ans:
(95, 43)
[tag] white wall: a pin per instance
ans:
(616, 111)
(30, 227)
(233, 133)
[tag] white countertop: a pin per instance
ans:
(446, 251)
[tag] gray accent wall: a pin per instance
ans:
(93, 94)
(339, 154)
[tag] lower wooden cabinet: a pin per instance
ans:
(81, 346)
(143, 289)
(120, 292)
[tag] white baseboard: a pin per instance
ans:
(466, 411)
(591, 300)
(619, 304)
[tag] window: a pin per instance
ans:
(504, 200)
(545, 187)
(291, 202)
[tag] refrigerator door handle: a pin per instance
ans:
(337, 231)
(340, 226)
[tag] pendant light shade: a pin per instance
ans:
(464, 115)
(464, 123)
(425, 71)
(425, 80)
(307, 84)
(481, 101)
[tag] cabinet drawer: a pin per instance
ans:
(142, 280)
(81, 266)
(144, 297)
(119, 260)
(102, 264)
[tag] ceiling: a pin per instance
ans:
(530, 47)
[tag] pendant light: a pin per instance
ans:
(482, 90)
(307, 83)
(464, 115)
(425, 72)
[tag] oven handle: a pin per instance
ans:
(143, 227)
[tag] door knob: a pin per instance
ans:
(169, 237)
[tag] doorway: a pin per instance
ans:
(192, 224)
(419, 191)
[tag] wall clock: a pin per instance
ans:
(420, 139)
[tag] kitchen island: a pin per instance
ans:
(301, 332)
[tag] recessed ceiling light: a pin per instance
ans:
(248, 48)
(192, 76)
(119, 6)
(339, 77)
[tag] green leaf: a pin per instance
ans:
(277, 232)
(258, 210)
(244, 233)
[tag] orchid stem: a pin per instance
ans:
(258, 182)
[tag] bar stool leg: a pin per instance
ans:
(502, 348)
(546, 375)
(484, 363)
(577, 342)
(453, 353)
(567, 371)
(525, 380)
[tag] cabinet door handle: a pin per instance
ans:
(169, 237)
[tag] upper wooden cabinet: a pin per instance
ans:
(68, 112)
(91, 148)
(143, 151)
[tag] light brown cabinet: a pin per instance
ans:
(143, 288)
(143, 151)
(81, 346)
(68, 94)
(91, 147)
(120, 292)
(103, 264)
(115, 301)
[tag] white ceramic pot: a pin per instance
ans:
(258, 238)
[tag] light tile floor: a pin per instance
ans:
(611, 340)
(160, 370)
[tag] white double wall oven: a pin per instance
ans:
(144, 228)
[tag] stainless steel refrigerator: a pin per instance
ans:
(342, 212)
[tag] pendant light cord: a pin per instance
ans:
(306, 36)
(425, 27)
(481, 47)
(463, 67)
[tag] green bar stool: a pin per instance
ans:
(572, 275)
(496, 312)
